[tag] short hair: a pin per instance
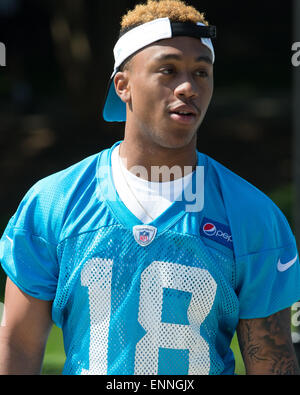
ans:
(175, 10)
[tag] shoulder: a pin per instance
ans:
(237, 191)
(256, 222)
(49, 202)
(61, 185)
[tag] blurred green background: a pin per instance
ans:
(59, 59)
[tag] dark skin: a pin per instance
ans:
(266, 345)
(159, 80)
(177, 74)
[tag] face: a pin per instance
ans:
(167, 88)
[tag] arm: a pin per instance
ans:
(266, 345)
(24, 331)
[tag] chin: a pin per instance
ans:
(177, 140)
(169, 136)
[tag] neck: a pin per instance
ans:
(159, 164)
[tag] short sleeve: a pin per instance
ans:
(44, 217)
(29, 261)
(269, 279)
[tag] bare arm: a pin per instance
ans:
(23, 332)
(266, 345)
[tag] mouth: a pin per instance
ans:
(183, 114)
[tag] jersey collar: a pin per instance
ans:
(169, 217)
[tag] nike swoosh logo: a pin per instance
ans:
(282, 267)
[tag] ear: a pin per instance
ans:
(122, 86)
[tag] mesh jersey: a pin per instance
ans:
(170, 307)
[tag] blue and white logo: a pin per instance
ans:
(144, 234)
(217, 232)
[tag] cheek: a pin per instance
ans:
(210, 88)
(149, 98)
(205, 95)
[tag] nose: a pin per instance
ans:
(186, 89)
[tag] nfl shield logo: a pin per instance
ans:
(144, 234)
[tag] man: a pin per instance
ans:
(143, 274)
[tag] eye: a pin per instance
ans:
(202, 73)
(168, 70)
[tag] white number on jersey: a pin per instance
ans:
(97, 274)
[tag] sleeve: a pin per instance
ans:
(29, 260)
(268, 279)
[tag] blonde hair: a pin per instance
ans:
(175, 10)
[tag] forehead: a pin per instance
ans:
(184, 48)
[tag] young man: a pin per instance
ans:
(151, 274)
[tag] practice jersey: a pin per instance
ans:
(156, 299)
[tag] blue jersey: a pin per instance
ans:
(164, 298)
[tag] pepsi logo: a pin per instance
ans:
(217, 232)
(209, 229)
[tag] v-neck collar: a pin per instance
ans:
(108, 191)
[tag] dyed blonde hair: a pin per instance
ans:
(175, 10)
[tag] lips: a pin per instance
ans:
(183, 114)
(183, 110)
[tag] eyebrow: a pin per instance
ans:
(202, 58)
